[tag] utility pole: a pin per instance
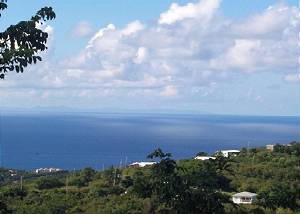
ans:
(248, 148)
(120, 165)
(21, 182)
(115, 175)
(126, 161)
(67, 184)
(253, 159)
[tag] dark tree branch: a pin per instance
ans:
(21, 44)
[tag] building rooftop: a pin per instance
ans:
(244, 194)
(230, 150)
(204, 157)
(142, 164)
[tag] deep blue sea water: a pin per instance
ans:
(102, 140)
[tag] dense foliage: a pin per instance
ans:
(21, 44)
(184, 186)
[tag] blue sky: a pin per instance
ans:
(226, 57)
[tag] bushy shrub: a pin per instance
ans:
(77, 181)
(48, 183)
(98, 191)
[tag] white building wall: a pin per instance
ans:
(238, 200)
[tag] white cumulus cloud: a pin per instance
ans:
(83, 29)
(204, 9)
(132, 28)
(188, 51)
(292, 78)
(169, 91)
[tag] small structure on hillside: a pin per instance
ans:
(12, 172)
(141, 164)
(270, 147)
(244, 198)
(204, 158)
(229, 153)
(47, 170)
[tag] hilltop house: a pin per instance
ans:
(141, 164)
(244, 198)
(204, 158)
(47, 170)
(228, 153)
(12, 172)
(270, 147)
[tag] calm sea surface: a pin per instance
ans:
(102, 140)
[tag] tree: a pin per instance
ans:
(48, 183)
(165, 182)
(14, 192)
(3, 208)
(127, 182)
(278, 195)
(222, 163)
(88, 173)
(141, 185)
(175, 189)
(21, 44)
(83, 177)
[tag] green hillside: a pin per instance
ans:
(170, 186)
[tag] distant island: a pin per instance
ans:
(253, 180)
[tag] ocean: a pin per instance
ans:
(74, 141)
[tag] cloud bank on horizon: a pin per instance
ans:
(191, 57)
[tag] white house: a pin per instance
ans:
(228, 153)
(204, 158)
(270, 147)
(141, 164)
(47, 170)
(244, 198)
(12, 172)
